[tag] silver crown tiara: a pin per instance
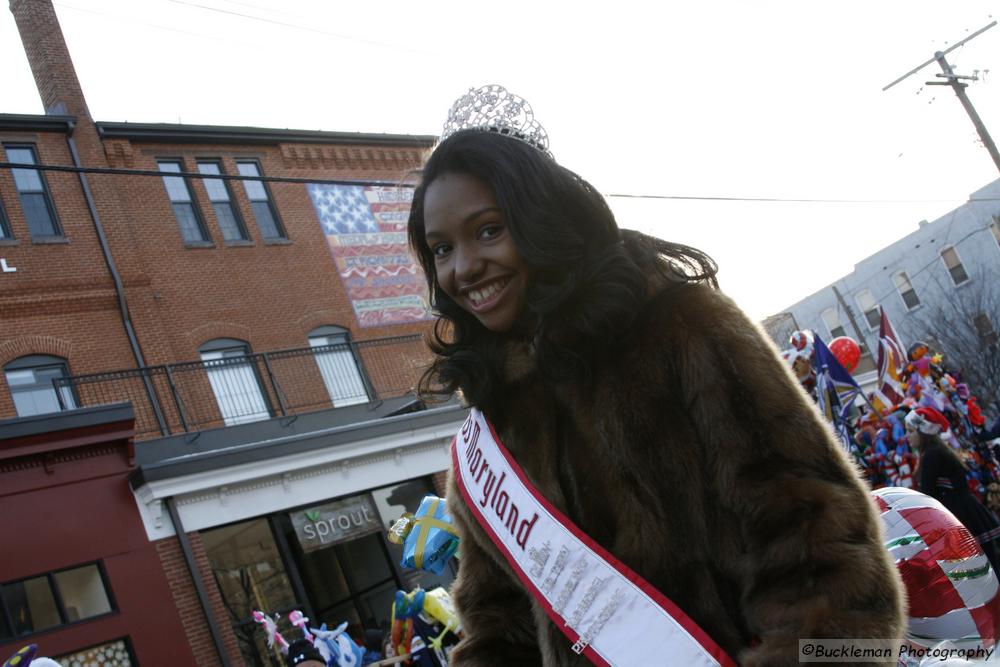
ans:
(495, 109)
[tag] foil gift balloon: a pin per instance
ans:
(800, 339)
(846, 351)
(951, 588)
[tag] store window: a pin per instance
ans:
(340, 368)
(263, 207)
(234, 381)
(185, 210)
(955, 267)
(870, 309)
(33, 191)
(53, 599)
(230, 222)
(111, 654)
(251, 575)
(906, 291)
(30, 380)
(343, 558)
(832, 321)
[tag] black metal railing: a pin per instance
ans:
(196, 395)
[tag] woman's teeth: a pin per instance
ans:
(481, 296)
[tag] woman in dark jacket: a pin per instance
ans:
(942, 475)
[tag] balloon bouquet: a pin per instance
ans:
(424, 623)
(336, 647)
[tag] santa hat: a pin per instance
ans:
(927, 420)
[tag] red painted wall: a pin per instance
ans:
(65, 501)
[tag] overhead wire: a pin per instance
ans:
(360, 40)
(403, 184)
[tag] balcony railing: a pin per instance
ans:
(198, 395)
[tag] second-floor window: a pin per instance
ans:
(868, 306)
(234, 380)
(188, 218)
(954, 264)
(906, 291)
(30, 380)
(226, 214)
(338, 365)
(832, 321)
(264, 211)
(36, 202)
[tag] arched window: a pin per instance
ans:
(31, 387)
(339, 366)
(234, 380)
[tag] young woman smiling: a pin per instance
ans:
(645, 407)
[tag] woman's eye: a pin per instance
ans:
(441, 249)
(490, 231)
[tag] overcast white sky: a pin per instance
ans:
(715, 98)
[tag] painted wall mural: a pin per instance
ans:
(365, 227)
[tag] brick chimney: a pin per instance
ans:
(49, 58)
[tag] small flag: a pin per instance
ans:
(891, 359)
(835, 389)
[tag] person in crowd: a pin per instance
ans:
(941, 474)
(640, 402)
(302, 653)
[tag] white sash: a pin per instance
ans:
(612, 615)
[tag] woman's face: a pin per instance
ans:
(914, 438)
(477, 263)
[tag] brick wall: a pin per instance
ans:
(187, 604)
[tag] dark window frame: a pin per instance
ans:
(58, 599)
(50, 205)
(241, 227)
(269, 200)
(34, 361)
(6, 233)
(959, 267)
(912, 291)
(206, 238)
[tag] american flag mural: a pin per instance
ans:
(365, 227)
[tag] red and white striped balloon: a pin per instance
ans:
(952, 590)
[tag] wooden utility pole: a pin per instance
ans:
(958, 84)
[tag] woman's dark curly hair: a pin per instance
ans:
(587, 278)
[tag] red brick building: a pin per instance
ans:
(265, 332)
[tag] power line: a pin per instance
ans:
(193, 174)
(401, 184)
(792, 200)
(296, 26)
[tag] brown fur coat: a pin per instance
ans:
(695, 458)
